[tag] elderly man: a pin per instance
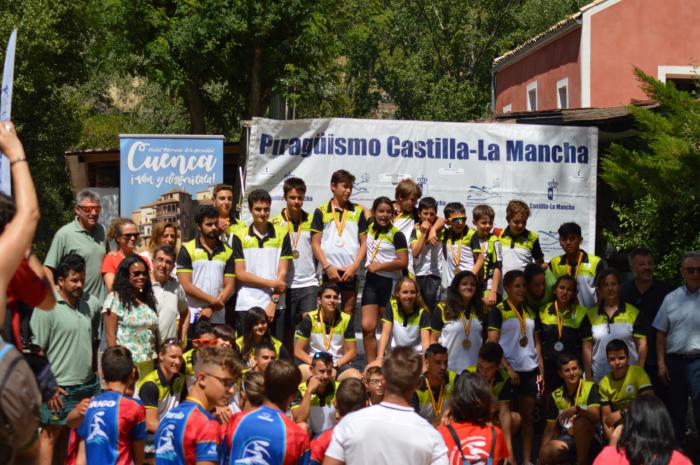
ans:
(678, 343)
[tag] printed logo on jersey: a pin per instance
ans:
(97, 434)
(474, 448)
(255, 453)
(165, 449)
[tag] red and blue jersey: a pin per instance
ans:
(319, 446)
(188, 434)
(113, 421)
(265, 435)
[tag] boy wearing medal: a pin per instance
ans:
(577, 263)
(302, 281)
(262, 253)
(222, 196)
(314, 403)
(339, 238)
(574, 410)
(483, 217)
(427, 257)
(519, 246)
(462, 246)
(436, 385)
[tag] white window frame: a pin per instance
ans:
(666, 72)
(507, 109)
(530, 87)
(562, 84)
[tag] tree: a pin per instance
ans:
(657, 178)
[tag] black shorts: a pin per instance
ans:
(345, 286)
(552, 380)
(377, 290)
(566, 438)
(429, 286)
(528, 383)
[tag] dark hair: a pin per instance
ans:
(471, 400)
(568, 278)
(350, 396)
(435, 349)
(226, 333)
(491, 352)
(258, 195)
(253, 385)
(290, 184)
(402, 370)
(342, 176)
(648, 436)
(454, 207)
(126, 293)
(605, 273)
(615, 345)
(254, 316)
(530, 271)
(69, 263)
(167, 250)
(202, 328)
(565, 358)
(328, 285)
(265, 346)
(221, 187)
(204, 212)
(282, 380)
(117, 364)
(454, 305)
(324, 357)
(427, 202)
(639, 252)
(483, 210)
(157, 232)
(7, 210)
(569, 229)
(512, 275)
(382, 201)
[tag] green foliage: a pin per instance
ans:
(659, 178)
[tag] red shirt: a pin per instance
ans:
(611, 456)
(111, 262)
(476, 443)
(319, 446)
(25, 286)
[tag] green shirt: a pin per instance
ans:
(619, 393)
(66, 335)
(90, 245)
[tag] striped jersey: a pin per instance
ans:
(460, 251)
(340, 247)
(186, 435)
(302, 270)
(406, 328)
(584, 272)
(454, 331)
(333, 340)
(382, 247)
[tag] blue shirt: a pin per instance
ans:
(187, 434)
(679, 318)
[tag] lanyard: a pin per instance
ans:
(467, 326)
(458, 257)
(560, 320)
(578, 392)
(339, 224)
(326, 342)
(578, 264)
(376, 248)
(521, 318)
(290, 226)
(437, 408)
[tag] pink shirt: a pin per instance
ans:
(610, 456)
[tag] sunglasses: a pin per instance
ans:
(205, 342)
(88, 209)
(137, 274)
(228, 383)
(318, 355)
(692, 269)
(131, 235)
(458, 219)
(171, 341)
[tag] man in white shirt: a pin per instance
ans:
(171, 302)
(389, 433)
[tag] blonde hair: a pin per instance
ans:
(516, 207)
(157, 232)
(419, 300)
(407, 187)
(115, 228)
(483, 210)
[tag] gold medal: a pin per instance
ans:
(294, 239)
(523, 324)
(466, 343)
(523, 341)
(295, 254)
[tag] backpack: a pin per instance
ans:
(20, 399)
(458, 442)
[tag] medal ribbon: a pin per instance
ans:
(458, 257)
(339, 224)
(580, 259)
(467, 327)
(560, 320)
(326, 342)
(376, 249)
(437, 408)
(290, 227)
(521, 318)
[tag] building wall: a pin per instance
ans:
(641, 33)
(555, 61)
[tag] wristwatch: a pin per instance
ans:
(275, 299)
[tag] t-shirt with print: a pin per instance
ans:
(302, 270)
(469, 325)
(406, 223)
(325, 337)
(493, 259)
(460, 251)
(476, 442)
(518, 251)
(382, 247)
(322, 412)
(188, 434)
(586, 396)
(618, 394)
(501, 387)
(503, 318)
(611, 456)
(341, 240)
(406, 328)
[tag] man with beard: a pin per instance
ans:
(205, 269)
(65, 335)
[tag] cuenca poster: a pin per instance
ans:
(551, 168)
(164, 178)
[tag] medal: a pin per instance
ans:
(466, 344)
(295, 254)
(458, 256)
(523, 341)
(521, 320)
(558, 346)
(340, 243)
(326, 341)
(339, 225)
(437, 406)
(376, 248)
(294, 239)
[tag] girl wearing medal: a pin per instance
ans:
(387, 256)
(406, 321)
(327, 329)
(256, 329)
(459, 322)
(561, 322)
(512, 324)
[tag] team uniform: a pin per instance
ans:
(477, 444)
(501, 387)
(261, 257)
(188, 434)
(319, 446)
(463, 336)
(430, 403)
(461, 251)
(406, 328)
(517, 338)
(618, 394)
(280, 350)
(235, 225)
(264, 435)
(627, 323)
(327, 338)
(562, 331)
(584, 270)
(586, 396)
(112, 423)
(427, 267)
(406, 223)
(493, 260)
(382, 247)
(208, 272)
(322, 413)
(341, 229)
(519, 251)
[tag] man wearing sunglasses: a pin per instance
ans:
(678, 344)
(85, 237)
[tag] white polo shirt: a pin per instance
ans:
(302, 270)
(382, 247)
(171, 303)
(429, 261)
(387, 434)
